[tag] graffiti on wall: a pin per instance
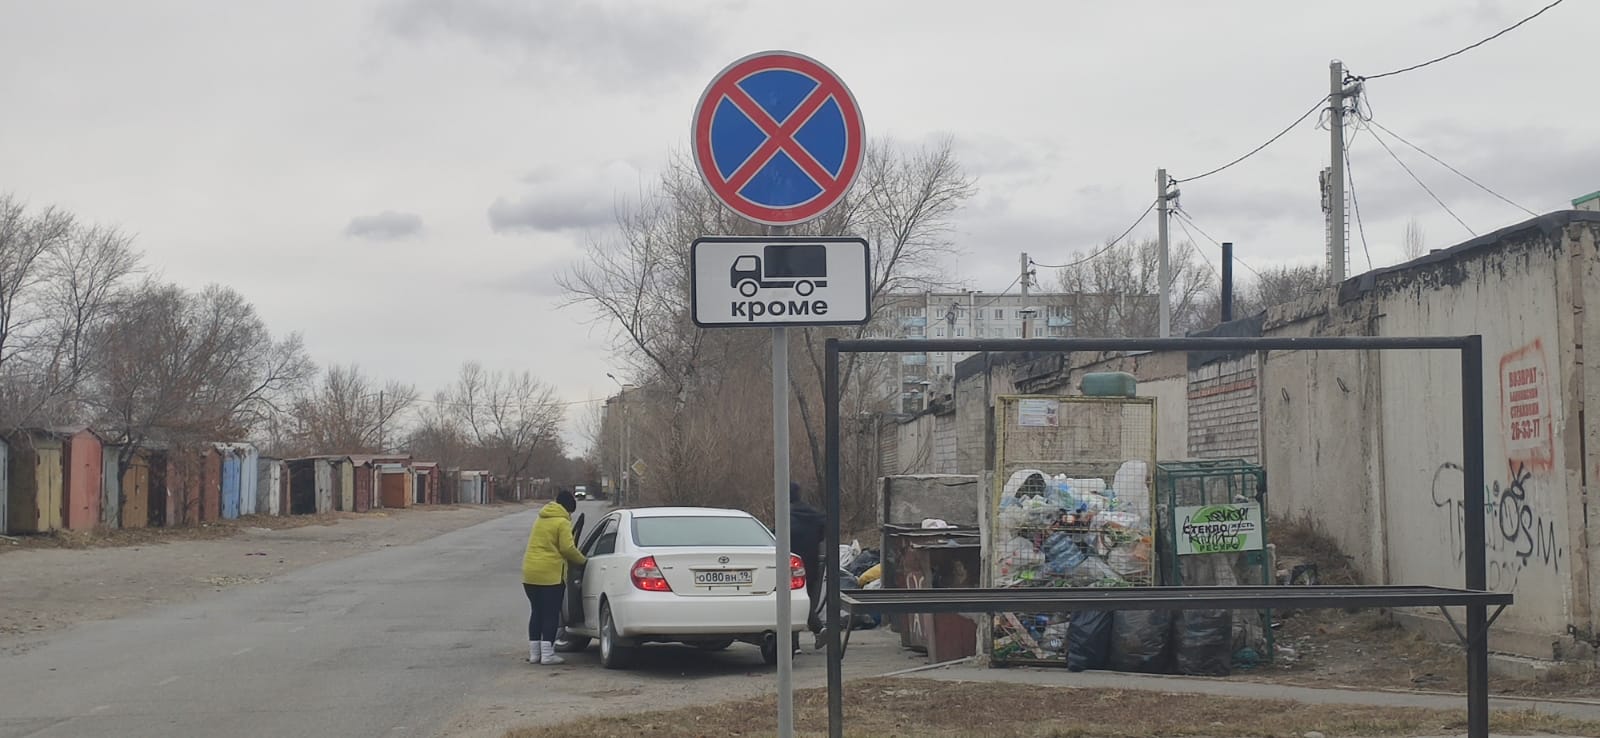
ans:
(1525, 408)
(1518, 536)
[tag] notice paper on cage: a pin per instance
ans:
(1039, 413)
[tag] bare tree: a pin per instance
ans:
(86, 274)
(1415, 243)
(637, 283)
(512, 417)
(346, 412)
(176, 367)
(27, 241)
(905, 211)
(1115, 292)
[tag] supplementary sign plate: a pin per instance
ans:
(775, 281)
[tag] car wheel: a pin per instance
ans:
(769, 649)
(613, 655)
(748, 288)
(714, 645)
(569, 643)
(805, 288)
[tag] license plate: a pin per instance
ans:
(725, 578)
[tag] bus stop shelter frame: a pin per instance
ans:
(1475, 597)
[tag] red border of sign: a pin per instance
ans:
(827, 82)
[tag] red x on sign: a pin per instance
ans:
(778, 138)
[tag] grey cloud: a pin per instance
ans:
(551, 212)
(609, 40)
(564, 199)
(385, 226)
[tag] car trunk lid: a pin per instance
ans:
(745, 570)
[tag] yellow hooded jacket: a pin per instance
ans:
(550, 548)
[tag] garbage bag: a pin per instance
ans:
(1204, 642)
(1132, 489)
(1092, 571)
(1019, 561)
(848, 553)
(1089, 640)
(871, 575)
(1062, 553)
(1141, 641)
(864, 561)
(1013, 518)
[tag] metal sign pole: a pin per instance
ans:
(780, 507)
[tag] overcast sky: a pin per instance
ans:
(400, 180)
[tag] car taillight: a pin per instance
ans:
(648, 577)
(797, 572)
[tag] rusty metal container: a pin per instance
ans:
(34, 488)
(134, 490)
(906, 565)
(82, 469)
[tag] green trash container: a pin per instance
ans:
(1109, 384)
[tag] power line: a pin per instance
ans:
(1355, 205)
(1201, 252)
(1002, 293)
(1466, 49)
(1457, 172)
(1107, 247)
(1419, 181)
(1257, 150)
(1184, 215)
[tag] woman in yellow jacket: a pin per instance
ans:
(544, 575)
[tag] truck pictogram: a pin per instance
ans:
(801, 267)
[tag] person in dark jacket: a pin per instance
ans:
(806, 535)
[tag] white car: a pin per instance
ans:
(701, 576)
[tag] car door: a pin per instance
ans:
(572, 607)
(601, 570)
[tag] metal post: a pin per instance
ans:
(1336, 172)
(1163, 256)
(622, 445)
(780, 507)
(1473, 534)
(1227, 281)
(830, 399)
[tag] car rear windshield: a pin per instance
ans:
(689, 530)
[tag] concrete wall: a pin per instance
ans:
(908, 500)
(1368, 444)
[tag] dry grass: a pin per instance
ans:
(1300, 540)
(945, 710)
(70, 539)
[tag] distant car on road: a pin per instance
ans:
(581, 492)
(701, 576)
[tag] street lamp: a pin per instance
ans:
(623, 438)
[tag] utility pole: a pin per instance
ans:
(1336, 171)
(381, 418)
(1025, 280)
(1163, 257)
(1334, 192)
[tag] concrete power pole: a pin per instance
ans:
(1336, 266)
(1025, 279)
(1164, 260)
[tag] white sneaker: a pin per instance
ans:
(548, 654)
(534, 652)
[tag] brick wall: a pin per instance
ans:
(1224, 410)
(944, 444)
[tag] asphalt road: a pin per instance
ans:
(389, 643)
